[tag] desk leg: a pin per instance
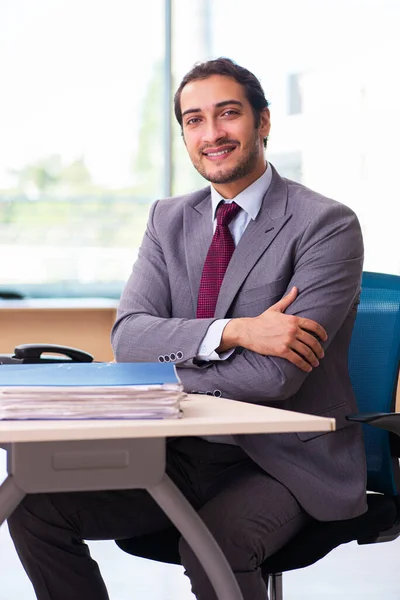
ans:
(185, 518)
(10, 497)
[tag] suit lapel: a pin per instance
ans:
(256, 239)
(197, 232)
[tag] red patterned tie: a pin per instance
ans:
(217, 260)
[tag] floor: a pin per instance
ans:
(350, 572)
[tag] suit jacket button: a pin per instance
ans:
(160, 359)
(217, 393)
(167, 358)
(172, 356)
(179, 355)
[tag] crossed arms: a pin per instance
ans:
(280, 347)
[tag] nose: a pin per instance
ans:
(213, 131)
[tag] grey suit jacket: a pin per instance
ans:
(299, 238)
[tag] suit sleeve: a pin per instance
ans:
(327, 271)
(144, 329)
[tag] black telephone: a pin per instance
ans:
(32, 354)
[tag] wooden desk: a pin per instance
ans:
(82, 323)
(49, 456)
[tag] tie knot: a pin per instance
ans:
(226, 212)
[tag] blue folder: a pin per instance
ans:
(88, 374)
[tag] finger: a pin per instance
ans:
(297, 360)
(305, 352)
(286, 301)
(312, 342)
(313, 327)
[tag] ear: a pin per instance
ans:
(265, 123)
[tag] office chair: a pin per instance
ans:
(374, 360)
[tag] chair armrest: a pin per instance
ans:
(387, 421)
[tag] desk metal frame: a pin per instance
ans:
(113, 464)
(114, 461)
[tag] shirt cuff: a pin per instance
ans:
(212, 340)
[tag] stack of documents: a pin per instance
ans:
(90, 391)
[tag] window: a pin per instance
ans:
(81, 94)
(345, 53)
(295, 101)
(82, 120)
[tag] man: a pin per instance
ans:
(251, 288)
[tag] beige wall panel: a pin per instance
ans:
(84, 328)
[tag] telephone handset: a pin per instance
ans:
(32, 354)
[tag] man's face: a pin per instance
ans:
(219, 131)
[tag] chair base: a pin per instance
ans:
(275, 586)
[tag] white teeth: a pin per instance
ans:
(218, 153)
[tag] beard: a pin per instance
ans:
(243, 168)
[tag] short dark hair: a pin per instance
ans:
(228, 68)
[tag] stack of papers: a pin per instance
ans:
(90, 391)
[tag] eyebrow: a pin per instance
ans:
(218, 105)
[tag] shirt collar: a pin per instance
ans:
(249, 199)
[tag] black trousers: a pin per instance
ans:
(250, 514)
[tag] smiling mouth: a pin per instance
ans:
(214, 153)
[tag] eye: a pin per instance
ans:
(193, 121)
(231, 112)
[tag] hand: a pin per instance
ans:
(275, 334)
